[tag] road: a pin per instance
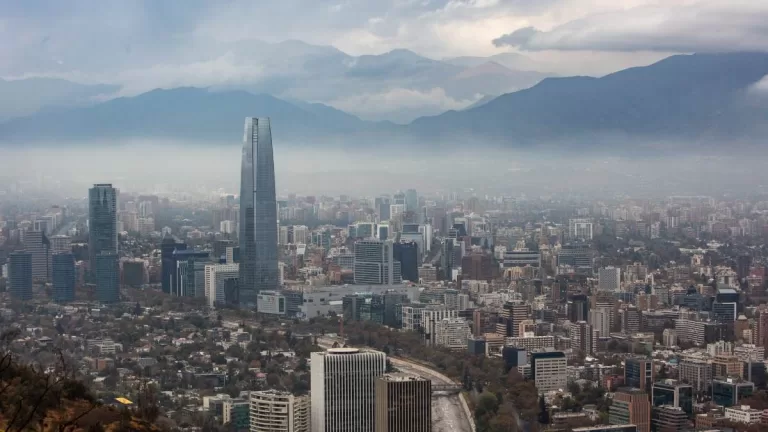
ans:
(448, 413)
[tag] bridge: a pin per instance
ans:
(446, 388)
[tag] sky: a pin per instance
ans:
(145, 44)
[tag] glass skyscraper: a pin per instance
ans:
(107, 278)
(63, 277)
(20, 275)
(102, 221)
(258, 214)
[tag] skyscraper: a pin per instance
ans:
(343, 384)
(20, 275)
(107, 277)
(258, 213)
(39, 247)
(375, 263)
(63, 277)
(403, 404)
(102, 222)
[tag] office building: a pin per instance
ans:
(185, 279)
(577, 256)
(258, 214)
(407, 254)
(107, 277)
(631, 406)
(343, 383)
(102, 222)
(580, 229)
(726, 366)
(609, 279)
(63, 276)
(577, 308)
(600, 319)
(730, 391)
(697, 372)
(639, 373)
(61, 243)
(375, 263)
(20, 275)
(512, 314)
(667, 418)
(278, 411)
(549, 371)
(531, 343)
(452, 333)
(673, 393)
(743, 414)
(37, 244)
(477, 266)
(168, 247)
(583, 337)
(221, 284)
(403, 404)
(271, 303)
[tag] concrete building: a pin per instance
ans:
(583, 337)
(102, 221)
(403, 404)
(271, 302)
(639, 373)
(278, 411)
(743, 414)
(343, 382)
(107, 277)
(221, 282)
(609, 279)
(63, 277)
(452, 333)
(37, 245)
(549, 370)
(580, 229)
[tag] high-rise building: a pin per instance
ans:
(375, 263)
(512, 314)
(729, 392)
(639, 373)
(697, 372)
(63, 277)
(168, 247)
(477, 266)
(37, 244)
(107, 277)
(183, 281)
(278, 411)
(407, 253)
(549, 370)
(609, 279)
(580, 229)
(631, 406)
(61, 243)
(221, 284)
(258, 214)
(20, 275)
(403, 404)
(600, 319)
(343, 382)
(102, 222)
(583, 337)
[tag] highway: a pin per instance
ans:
(448, 412)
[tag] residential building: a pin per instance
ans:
(631, 406)
(279, 411)
(609, 279)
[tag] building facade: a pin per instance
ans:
(102, 221)
(403, 404)
(258, 214)
(278, 411)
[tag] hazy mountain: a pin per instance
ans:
(182, 113)
(701, 96)
(27, 96)
(489, 79)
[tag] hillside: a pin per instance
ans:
(31, 400)
(701, 96)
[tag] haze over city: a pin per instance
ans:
(384, 216)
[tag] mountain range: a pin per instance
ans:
(700, 97)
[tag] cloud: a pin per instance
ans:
(400, 104)
(670, 26)
(761, 86)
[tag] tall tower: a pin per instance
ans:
(20, 275)
(258, 213)
(63, 277)
(102, 222)
(403, 404)
(107, 278)
(343, 389)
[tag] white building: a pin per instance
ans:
(219, 279)
(550, 371)
(430, 317)
(743, 414)
(277, 411)
(227, 227)
(580, 229)
(300, 234)
(343, 389)
(600, 319)
(270, 302)
(609, 279)
(452, 333)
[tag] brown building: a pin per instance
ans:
(727, 366)
(669, 419)
(477, 266)
(403, 404)
(512, 314)
(631, 406)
